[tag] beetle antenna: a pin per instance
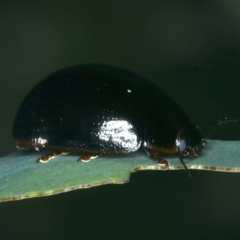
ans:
(185, 167)
(216, 124)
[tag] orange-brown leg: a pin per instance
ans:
(47, 157)
(87, 157)
(157, 157)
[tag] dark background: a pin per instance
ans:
(191, 49)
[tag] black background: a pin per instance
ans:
(191, 49)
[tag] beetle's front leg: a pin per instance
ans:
(157, 157)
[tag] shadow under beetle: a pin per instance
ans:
(99, 109)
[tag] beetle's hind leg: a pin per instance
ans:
(45, 158)
(87, 157)
(84, 158)
(157, 157)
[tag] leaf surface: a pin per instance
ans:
(21, 177)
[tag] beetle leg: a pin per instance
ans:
(156, 156)
(86, 157)
(64, 153)
(47, 157)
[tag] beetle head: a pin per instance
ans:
(189, 141)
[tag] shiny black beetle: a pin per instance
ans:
(99, 109)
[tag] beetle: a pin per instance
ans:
(99, 109)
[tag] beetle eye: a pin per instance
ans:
(181, 145)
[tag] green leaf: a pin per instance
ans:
(21, 177)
